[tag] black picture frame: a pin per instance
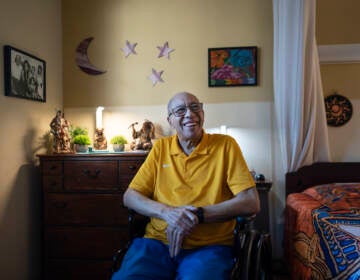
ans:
(24, 75)
(232, 66)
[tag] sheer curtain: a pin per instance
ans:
(300, 121)
(298, 95)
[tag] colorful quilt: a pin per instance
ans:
(322, 232)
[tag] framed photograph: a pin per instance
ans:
(232, 66)
(25, 75)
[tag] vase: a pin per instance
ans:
(80, 148)
(118, 147)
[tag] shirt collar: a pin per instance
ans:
(201, 148)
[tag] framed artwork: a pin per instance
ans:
(338, 109)
(232, 66)
(25, 75)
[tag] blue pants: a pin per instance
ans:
(149, 259)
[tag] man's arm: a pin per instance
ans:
(245, 203)
(180, 220)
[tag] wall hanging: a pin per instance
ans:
(82, 59)
(232, 66)
(155, 76)
(129, 48)
(25, 75)
(338, 110)
(165, 50)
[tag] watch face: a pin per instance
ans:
(338, 110)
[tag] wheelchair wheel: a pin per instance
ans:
(262, 255)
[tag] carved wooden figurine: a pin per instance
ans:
(59, 128)
(100, 142)
(142, 138)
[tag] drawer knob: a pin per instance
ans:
(132, 167)
(94, 175)
(60, 204)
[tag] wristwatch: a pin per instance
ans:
(200, 214)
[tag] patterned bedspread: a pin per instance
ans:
(322, 232)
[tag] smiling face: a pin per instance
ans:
(188, 125)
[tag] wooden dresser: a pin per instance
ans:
(84, 218)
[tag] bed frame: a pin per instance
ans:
(322, 173)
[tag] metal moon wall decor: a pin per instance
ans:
(338, 110)
(82, 59)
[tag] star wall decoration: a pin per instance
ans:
(165, 50)
(155, 76)
(129, 48)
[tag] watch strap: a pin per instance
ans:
(200, 214)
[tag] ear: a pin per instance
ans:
(170, 121)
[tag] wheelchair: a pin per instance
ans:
(252, 248)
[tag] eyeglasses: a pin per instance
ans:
(180, 111)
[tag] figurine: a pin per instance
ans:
(100, 142)
(142, 138)
(60, 129)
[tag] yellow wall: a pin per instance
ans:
(338, 23)
(190, 27)
(35, 27)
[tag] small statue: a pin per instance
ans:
(142, 138)
(100, 142)
(60, 129)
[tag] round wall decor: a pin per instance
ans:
(338, 110)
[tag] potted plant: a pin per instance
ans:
(81, 143)
(77, 130)
(118, 142)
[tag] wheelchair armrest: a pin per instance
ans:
(243, 223)
(136, 224)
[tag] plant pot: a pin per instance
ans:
(118, 147)
(80, 148)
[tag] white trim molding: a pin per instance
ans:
(342, 53)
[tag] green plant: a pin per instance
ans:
(75, 131)
(118, 139)
(81, 140)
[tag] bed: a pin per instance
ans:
(322, 221)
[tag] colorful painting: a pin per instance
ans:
(232, 66)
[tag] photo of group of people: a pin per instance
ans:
(27, 76)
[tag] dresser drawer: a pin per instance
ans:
(84, 209)
(84, 242)
(52, 167)
(129, 167)
(52, 183)
(57, 269)
(90, 175)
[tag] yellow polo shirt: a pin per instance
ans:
(214, 172)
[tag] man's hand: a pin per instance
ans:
(181, 222)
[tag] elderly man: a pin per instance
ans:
(192, 185)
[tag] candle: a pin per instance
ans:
(223, 129)
(99, 117)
